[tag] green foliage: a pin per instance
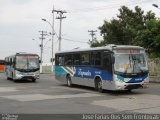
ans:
(132, 28)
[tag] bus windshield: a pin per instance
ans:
(130, 63)
(27, 62)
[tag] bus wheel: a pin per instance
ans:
(7, 76)
(69, 82)
(15, 80)
(98, 85)
(129, 90)
(33, 80)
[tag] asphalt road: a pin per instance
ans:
(48, 96)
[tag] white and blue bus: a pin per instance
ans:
(23, 66)
(113, 67)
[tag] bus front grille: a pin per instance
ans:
(135, 86)
(28, 77)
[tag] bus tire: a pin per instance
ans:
(15, 80)
(13, 77)
(33, 80)
(7, 76)
(129, 90)
(69, 82)
(98, 85)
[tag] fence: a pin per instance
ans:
(47, 69)
(154, 69)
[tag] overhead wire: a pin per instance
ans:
(73, 40)
(105, 7)
(99, 8)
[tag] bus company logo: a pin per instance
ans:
(97, 72)
(82, 73)
(138, 79)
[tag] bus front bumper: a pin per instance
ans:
(34, 76)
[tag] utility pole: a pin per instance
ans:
(52, 59)
(60, 17)
(92, 33)
(42, 33)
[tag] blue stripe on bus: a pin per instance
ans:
(60, 71)
(88, 72)
(137, 79)
(85, 72)
(134, 79)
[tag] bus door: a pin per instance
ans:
(107, 62)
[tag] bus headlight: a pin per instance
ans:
(116, 77)
(118, 80)
(18, 75)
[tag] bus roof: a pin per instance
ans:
(22, 53)
(109, 47)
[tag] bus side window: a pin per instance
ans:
(57, 60)
(68, 59)
(85, 59)
(107, 64)
(96, 58)
(76, 59)
(61, 60)
(10, 61)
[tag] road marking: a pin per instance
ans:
(74, 89)
(124, 104)
(8, 89)
(34, 97)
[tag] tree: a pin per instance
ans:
(132, 28)
(149, 37)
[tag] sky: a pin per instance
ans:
(21, 21)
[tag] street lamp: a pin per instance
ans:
(155, 5)
(52, 27)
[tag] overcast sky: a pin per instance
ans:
(20, 21)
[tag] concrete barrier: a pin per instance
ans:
(46, 69)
